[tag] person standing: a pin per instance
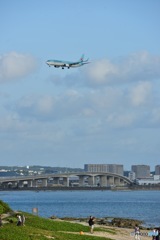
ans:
(91, 222)
(23, 220)
(19, 223)
(137, 232)
(155, 234)
(158, 235)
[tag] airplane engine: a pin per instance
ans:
(67, 65)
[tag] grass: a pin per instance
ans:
(37, 228)
(4, 207)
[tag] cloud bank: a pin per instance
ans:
(125, 95)
(135, 67)
(141, 66)
(107, 107)
(15, 65)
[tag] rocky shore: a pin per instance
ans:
(108, 221)
(114, 228)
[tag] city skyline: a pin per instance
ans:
(101, 166)
(106, 111)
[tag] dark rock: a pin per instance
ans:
(53, 217)
(108, 221)
(125, 223)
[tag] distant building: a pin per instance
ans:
(132, 176)
(112, 168)
(149, 181)
(157, 170)
(141, 171)
(95, 168)
(115, 168)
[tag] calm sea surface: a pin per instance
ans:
(141, 205)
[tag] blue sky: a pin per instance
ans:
(105, 112)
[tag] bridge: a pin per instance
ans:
(81, 179)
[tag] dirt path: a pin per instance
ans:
(120, 233)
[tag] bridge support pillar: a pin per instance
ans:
(110, 180)
(103, 181)
(30, 183)
(11, 184)
(20, 184)
(117, 181)
(122, 182)
(44, 182)
(81, 181)
(4, 185)
(56, 180)
(91, 180)
(34, 183)
(66, 181)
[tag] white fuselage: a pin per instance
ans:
(67, 64)
(57, 63)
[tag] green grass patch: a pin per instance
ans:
(4, 207)
(53, 225)
(67, 236)
(37, 228)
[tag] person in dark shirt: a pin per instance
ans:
(91, 222)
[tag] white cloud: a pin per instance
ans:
(114, 104)
(45, 104)
(15, 65)
(135, 67)
(141, 93)
(121, 120)
(32, 106)
(101, 71)
(109, 107)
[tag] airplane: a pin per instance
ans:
(68, 64)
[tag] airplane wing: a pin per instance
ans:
(74, 63)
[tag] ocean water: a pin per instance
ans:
(141, 205)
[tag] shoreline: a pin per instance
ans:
(108, 232)
(107, 221)
(117, 222)
(114, 232)
(61, 188)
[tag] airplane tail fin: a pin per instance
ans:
(82, 58)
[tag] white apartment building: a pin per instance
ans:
(112, 168)
(149, 181)
(132, 176)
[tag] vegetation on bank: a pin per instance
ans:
(37, 228)
(4, 207)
